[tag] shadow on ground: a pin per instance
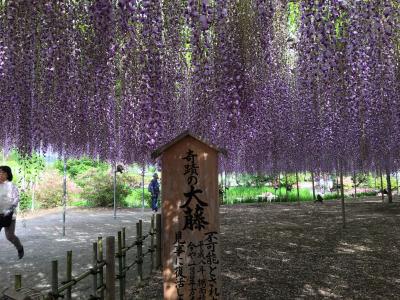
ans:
(290, 251)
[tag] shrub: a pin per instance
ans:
(49, 190)
(135, 198)
(98, 187)
(130, 180)
(371, 193)
(330, 196)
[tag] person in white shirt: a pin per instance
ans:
(9, 199)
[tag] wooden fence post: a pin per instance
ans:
(124, 256)
(101, 257)
(69, 274)
(139, 244)
(95, 271)
(54, 278)
(120, 268)
(98, 263)
(110, 268)
(152, 244)
(158, 241)
(18, 282)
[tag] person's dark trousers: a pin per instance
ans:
(10, 235)
(154, 199)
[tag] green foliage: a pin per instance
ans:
(76, 167)
(135, 198)
(293, 16)
(258, 180)
(304, 195)
(363, 194)
(289, 179)
(151, 169)
(98, 188)
(359, 179)
(30, 166)
(49, 191)
(250, 194)
(25, 200)
(244, 193)
(130, 180)
(330, 196)
(246, 179)
(79, 203)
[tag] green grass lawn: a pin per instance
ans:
(233, 195)
(249, 194)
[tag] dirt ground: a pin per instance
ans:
(268, 251)
(286, 251)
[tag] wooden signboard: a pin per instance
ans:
(190, 219)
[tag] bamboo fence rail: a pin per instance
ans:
(103, 270)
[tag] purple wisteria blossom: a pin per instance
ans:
(282, 85)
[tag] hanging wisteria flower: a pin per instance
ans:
(282, 85)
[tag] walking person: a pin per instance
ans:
(154, 189)
(9, 199)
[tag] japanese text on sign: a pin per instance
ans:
(194, 212)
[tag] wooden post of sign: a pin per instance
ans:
(190, 219)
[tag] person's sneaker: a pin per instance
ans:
(21, 253)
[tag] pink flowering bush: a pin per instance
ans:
(49, 190)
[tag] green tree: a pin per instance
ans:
(79, 166)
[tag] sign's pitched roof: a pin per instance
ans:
(156, 153)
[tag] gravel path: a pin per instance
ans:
(41, 235)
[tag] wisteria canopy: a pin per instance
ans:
(281, 85)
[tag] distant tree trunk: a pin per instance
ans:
(337, 184)
(227, 184)
(397, 183)
(383, 195)
(223, 186)
(33, 194)
(286, 185)
(298, 191)
(237, 180)
(279, 187)
(313, 186)
(389, 186)
(342, 193)
(355, 185)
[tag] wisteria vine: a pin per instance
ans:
(282, 85)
